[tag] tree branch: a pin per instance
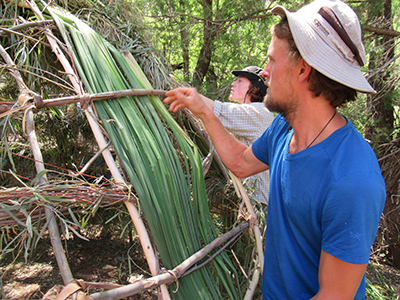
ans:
(255, 15)
(169, 276)
(84, 99)
(382, 31)
(101, 96)
(8, 31)
(383, 66)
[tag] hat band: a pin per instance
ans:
(332, 19)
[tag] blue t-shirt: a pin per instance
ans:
(327, 197)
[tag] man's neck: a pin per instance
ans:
(314, 127)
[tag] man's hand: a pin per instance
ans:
(187, 98)
(235, 155)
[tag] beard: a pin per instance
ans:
(286, 108)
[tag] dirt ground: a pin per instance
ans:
(99, 260)
(102, 260)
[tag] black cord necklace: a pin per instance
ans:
(326, 125)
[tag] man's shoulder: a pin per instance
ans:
(352, 156)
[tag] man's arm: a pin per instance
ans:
(338, 279)
(236, 156)
(208, 102)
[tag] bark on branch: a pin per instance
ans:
(100, 96)
(85, 99)
(8, 31)
(169, 276)
(382, 31)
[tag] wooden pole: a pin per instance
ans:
(100, 96)
(254, 222)
(36, 100)
(55, 240)
(252, 285)
(37, 154)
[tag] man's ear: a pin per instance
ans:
(304, 70)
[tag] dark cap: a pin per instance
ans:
(253, 73)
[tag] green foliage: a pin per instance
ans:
(382, 289)
(65, 138)
(240, 31)
(8, 86)
(120, 23)
(65, 135)
(357, 113)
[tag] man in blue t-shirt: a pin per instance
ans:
(326, 189)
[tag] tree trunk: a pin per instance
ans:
(209, 34)
(381, 128)
(380, 106)
(185, 39)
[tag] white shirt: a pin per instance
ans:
(247, 122)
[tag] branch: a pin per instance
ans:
(216, 22)
(55, 239)
(383, 67)
(14, 72)
(382, 31)
(85, 99)
(169, 276)
(100, 96)
(8, 31)
(253, 224)
(252, 285)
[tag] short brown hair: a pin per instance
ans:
(336, 93)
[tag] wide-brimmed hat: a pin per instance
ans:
(253, 73)
(327, 34)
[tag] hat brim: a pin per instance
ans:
(322, 57)
(256, 80)
(246, 74)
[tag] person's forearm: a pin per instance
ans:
(208, 102)
(229, 149)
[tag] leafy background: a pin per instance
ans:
(196, 43)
